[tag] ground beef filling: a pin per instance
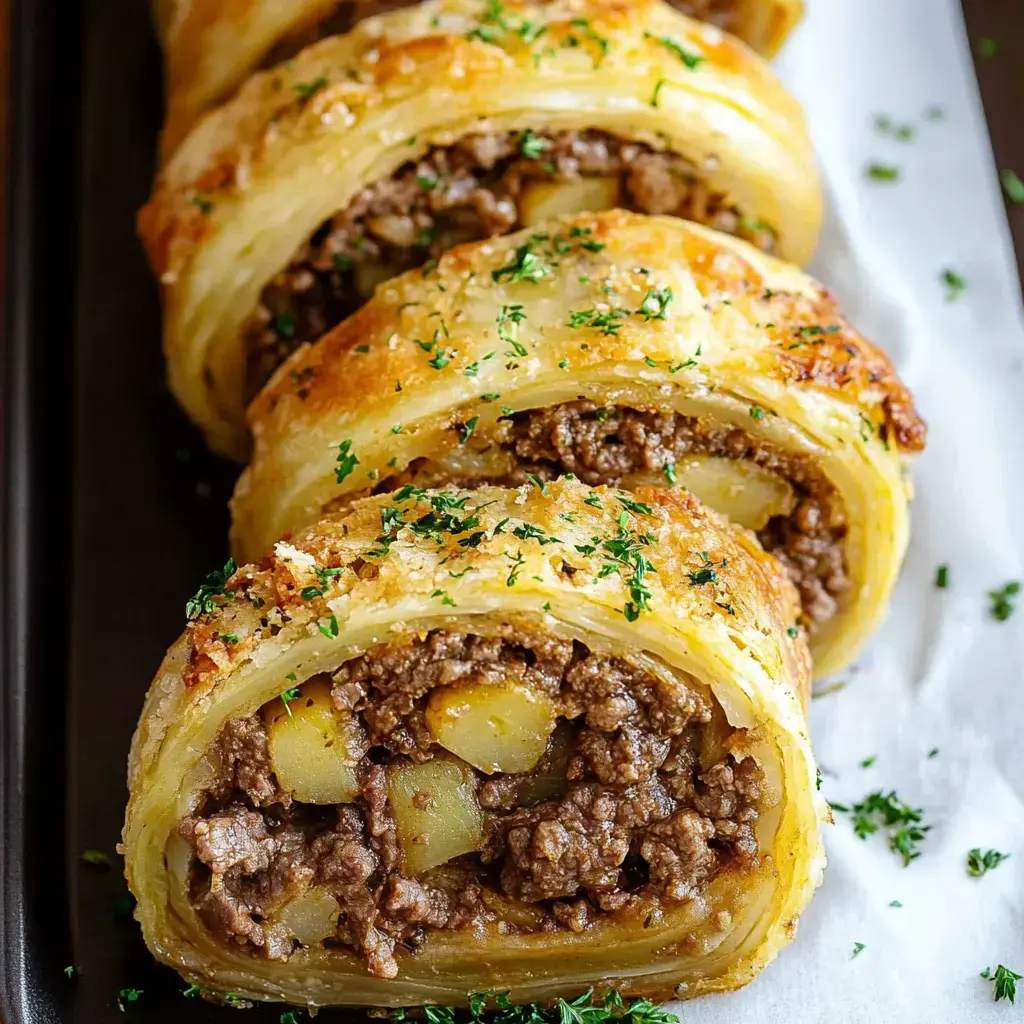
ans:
(627, 814)
(461, 193)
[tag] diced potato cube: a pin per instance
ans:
(313, 748)
(436, 812)
(550, 780)
(743, 491)
(496, 728)
(542, 200)
(311, 917)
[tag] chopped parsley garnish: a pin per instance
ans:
(229, 638)
(885, 124)
(541, 486)
(895, 903)
(627, 552)
(756, 412)
(342, 263)
(445, 599)
(656, 303)
(942, 577)
(656, 95)
(1012, 186)
(583, 235)
(671, 478)
(292, 693)
(331, 629)
(868, 761)
(608, 322)
(204, 204)
(857, 947)
(518, 561)
(525, 264)
(508, 321)
(202, 602)
(1005, 982)
(706, 573)
(284, 324)
(691, 60)
(532, 145)
(69, 971)
(934, 752)
(305, 90)
(885, 810)
(955, 284)
(347, 462)
(883, 172)
(465, 430)
(127, 995)
(979, 863)
(1002, 601)
(584, 1009)
(96, 858)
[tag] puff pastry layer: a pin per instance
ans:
(694, 617)
(625, 349)
(212, 46)
(374, 150)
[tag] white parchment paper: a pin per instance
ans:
(941, 673)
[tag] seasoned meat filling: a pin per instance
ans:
(468, 191)
(627, 813)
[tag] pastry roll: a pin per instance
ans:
(212, 46)
(446, 122)
(626, 350)
(530, 740)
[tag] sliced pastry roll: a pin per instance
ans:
(625, 350)
(212, 46)
(450, 741)
(447, 122)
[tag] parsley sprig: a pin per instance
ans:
(979, 863)
(202, 601)
(495, 1008)
(1004, 981)
(880, 810)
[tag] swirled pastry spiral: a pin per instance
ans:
(623, 349)
(212, 46)
(450, 741)
(439, 123)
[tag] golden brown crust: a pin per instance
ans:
(744, 338)
(256, 178)
(729, 634)
(212, 46)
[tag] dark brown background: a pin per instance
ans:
(139, 509)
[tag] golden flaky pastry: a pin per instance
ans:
(624, 349)
(450, 629)
(372, 151)
(212, 46)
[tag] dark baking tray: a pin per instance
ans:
(111, 509)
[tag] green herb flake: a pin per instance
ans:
(1002, 601)
(331, 629)
(868, 761)
(979, 864)
(955, 284)
(655, 100)
(532, 145)
(292, 693)
(525, 264)
(691, 60)
(858, 947)
(895, 903)
(347, 462)
(204, 204)
(671, 477)
(942, 577)
(1004, 981)
(1012, 186)
(880, 810)
(883, 172)
(127, 995)
(202, 602)
(96, 858)
(465, 430)
(306, 90)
